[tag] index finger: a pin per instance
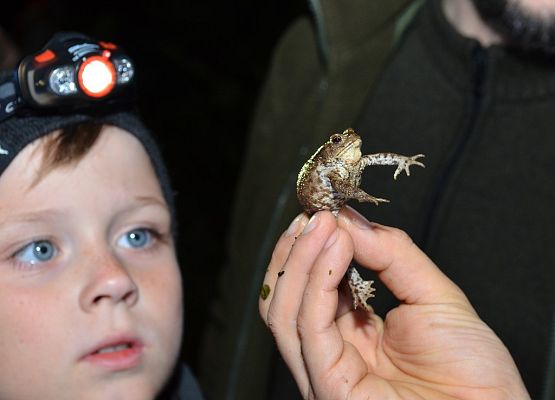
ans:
(411, 276)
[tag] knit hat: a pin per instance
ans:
(19, 131)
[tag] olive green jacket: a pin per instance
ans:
(313, 89)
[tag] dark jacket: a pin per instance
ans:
(482, 209)
(312, 89)
(181, 386)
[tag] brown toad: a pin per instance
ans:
(332, 176)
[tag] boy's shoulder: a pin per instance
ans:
(188, 386)
(182, 386)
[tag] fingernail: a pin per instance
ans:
(312, 223)
(359, 220)
(332, 239)
(294, 226)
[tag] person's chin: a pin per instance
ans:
(522, 26)
(137, 387)
(143, 381)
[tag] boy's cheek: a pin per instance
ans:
(162, 299)
(162, 295)
(162, 287)
(31, 317)
(36, 333)
(31, 344)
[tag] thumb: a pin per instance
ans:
(410, 275)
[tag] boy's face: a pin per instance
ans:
(90, 289)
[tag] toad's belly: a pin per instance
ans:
(316, 193)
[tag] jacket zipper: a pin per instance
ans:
(477, 105)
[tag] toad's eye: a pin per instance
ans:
(36, 252)
(136, 238)
(336, 139)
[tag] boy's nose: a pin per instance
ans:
(109, 282)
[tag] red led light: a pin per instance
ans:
(45, 56)
(108, 45)
(96, 76)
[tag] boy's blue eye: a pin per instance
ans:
(36, 252)
(136, 238)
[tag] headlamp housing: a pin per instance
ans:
(71, 72)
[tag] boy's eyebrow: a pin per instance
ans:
(140, 202)
(29, 217)
(42, 215)
(147, 201)
(150, 200)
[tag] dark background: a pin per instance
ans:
(200, 66)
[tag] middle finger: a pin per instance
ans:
(280, 311)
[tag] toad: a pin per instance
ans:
(332, 176)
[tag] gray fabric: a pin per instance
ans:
(181, 386)
(188, 386)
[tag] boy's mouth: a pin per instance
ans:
(116, 353)
(111, 349)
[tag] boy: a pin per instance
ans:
(90, 287)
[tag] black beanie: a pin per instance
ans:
(18, 131)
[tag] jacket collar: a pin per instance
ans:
(343, 27)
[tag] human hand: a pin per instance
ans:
(432, 346)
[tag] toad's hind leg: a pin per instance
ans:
(360, 289)
(350, 191)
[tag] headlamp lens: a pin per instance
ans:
(97, 76)
(62, 80)
(124, 70)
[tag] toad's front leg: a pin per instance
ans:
(403, 162)
(350, 191)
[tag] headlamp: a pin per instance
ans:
(72, 71)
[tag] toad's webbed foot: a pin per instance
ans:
(360, 289)
(406, 163)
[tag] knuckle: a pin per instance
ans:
(281, 251)
(271, 320)
(277, 254)
(398, 238)
(301, 326)
(276, 323)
